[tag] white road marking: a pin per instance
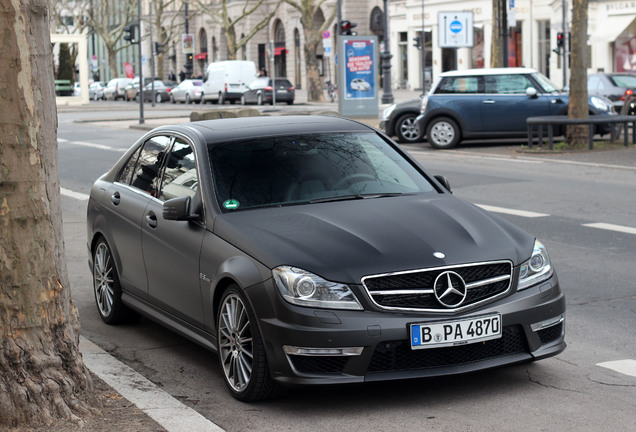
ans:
(92, 145)
(612, 227)
(626, 367)
(72, 194)
(522, 213)
(171, 414)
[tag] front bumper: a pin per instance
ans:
(329, 347)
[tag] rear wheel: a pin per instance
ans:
(241, 349)
(188, 99)
(158, 98)
(259, 99)
(407, 129)
(443, 133)
(221, 99)
(107, 287)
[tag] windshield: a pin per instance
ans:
(628, 81)
(305, 169)
(544, 82)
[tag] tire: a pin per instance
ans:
(443, 133)
(158, 98)
(172, 100)
(221, 99)
(106, 286)
(203, 101)
(241, 349)
(188, 99)
(259, 99)
(407, 129)
(290, 102)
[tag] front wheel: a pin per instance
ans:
(241, 349)
(158, 98)
(407, 130)
(443, 133)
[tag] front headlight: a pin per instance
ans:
(537, 269)
(302, 288)
(601, 104)
(388, 111)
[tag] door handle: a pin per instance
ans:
(151, 220)
(115, 198)
(489, 101)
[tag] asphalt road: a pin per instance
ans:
(581, 207)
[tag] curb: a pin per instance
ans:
(167, 411)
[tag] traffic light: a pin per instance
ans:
(560, 41)
(158, 48)
(346, 26)
(418, 42)
(129, 35)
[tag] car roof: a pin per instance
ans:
(257, 127)
(489, 71)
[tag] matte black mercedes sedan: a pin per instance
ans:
(313, 250)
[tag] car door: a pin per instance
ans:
(505, 105)
(128, 198)
(171, 249)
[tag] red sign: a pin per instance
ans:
(130, 71)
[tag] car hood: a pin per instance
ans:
(344, 241)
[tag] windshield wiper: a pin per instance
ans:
(354, 197)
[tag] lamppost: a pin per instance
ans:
(387, 96)
(188, 64)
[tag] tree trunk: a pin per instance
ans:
(112, 62)
(578, 106)
(496, 51)
(42, 375)
(315, 90)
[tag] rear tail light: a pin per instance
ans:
(627, 95)
(291, 89)
(226, 87)
(269, 88)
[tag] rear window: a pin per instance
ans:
(628, 81)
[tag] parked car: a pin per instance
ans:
(115, 88)
(260, 91)
(617, 87)
(398, 120)
(227, 80)
(77, 89)
(493, 103)
(187, 91)
(250, 236)
(159, 90)
(96, 90)
(132, 89)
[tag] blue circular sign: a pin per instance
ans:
(456, 26)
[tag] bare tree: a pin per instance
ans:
(578, 106)
(222, 12)
(314, 24)
(108, 19)
(42, 375)
(496, 51)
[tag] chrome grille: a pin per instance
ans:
(414, 290)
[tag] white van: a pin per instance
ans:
(227, 80)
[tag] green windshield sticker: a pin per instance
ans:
(231, 204)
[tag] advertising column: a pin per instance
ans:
(358, 76)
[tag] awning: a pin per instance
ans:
(280, 50)
(201, 56)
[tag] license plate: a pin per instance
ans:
(453, 333)
(282, 91)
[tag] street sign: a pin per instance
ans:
(326, 34)
(455, 29)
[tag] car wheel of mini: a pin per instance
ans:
(443, 133)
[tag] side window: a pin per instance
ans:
(126, 173)
(593, 83)
(509, 84)
(147, 170)
(180, 177)
(459, 85)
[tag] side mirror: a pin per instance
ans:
(444, 181)
(531, 92)
(178, 209)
